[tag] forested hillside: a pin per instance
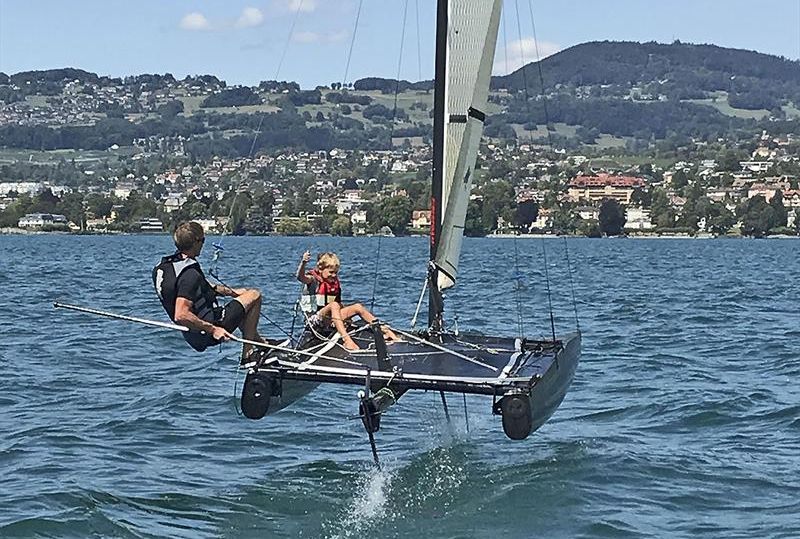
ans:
(632, 94)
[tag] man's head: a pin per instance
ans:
(328, 266)
(189, 238)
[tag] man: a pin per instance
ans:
(191, 301)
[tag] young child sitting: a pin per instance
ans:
(326, 294)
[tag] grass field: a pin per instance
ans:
(191, 104)
(720, 102)
(54, 156)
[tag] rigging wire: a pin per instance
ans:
(391, 135)
(505, 43)
(261, 313)
(541, 78)
(352, 42)
(518, 290)
(288, 38)
(571, 285)
(375, 281)
(549, 295)
(397, 80)
(419, 46)
(522, 59)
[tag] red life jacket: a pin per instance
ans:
(322, 291)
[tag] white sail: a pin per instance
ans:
(471, 40)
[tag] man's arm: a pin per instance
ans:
(301, 269)
(222, 290)
(185, 317)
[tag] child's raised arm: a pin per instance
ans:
(301, 269)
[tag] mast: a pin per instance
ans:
(435, 301)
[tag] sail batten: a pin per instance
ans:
(471, 39)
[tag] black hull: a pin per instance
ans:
(537, 374)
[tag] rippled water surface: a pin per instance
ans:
(683, 420)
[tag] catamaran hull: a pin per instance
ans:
(527, 379)
(545, 396)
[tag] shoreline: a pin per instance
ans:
(14, 231)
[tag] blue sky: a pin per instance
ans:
(243, 41)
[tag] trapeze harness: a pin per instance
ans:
(319, 293)
(165, 281)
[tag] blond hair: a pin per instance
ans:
(327, 260)
(187, 234)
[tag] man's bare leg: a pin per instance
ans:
(251, 301)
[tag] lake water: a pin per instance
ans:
(683, 420)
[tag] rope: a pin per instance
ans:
(442, 348)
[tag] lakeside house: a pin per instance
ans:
(151, 224)
(34, 221)
(602, 186)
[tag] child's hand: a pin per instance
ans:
(306, 256)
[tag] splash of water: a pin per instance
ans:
(368, 507)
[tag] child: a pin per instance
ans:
(326, 294)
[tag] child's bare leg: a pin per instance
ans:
(337, 314)
(368, 317)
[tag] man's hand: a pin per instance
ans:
(306, 257)
(221, 334)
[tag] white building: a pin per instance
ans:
(638, 219)
(40, 220)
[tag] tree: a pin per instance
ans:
(612, 217)
(781, 215)
(473, 225)
(757, 217)
(719, 219)
(394, 212)
(679, 179)
(525, 214)
(498, 201)
(293, 227)
(341, 226)
(171, 109)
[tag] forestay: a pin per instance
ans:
(471, 40)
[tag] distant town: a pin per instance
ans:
(139, 168)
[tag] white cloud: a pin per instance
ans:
(306, 6)
(250, 17)
(316, 37)
(517, 56)
(307, 37)
(195, 21)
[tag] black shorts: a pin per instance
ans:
(229, 317)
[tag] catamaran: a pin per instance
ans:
(526, 378)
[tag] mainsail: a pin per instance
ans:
(472, 27)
